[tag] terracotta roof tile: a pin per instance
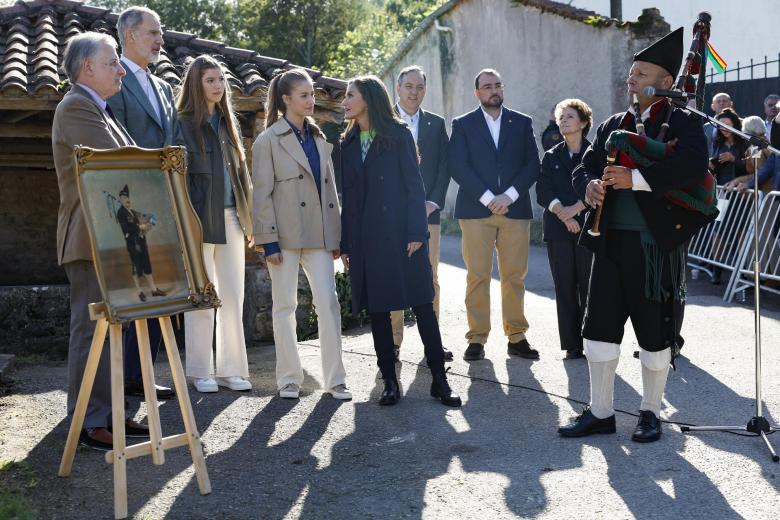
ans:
(34, 32)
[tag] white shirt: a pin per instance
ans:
(144, 78)
(413, 121)
(494, 125)
(638, 181)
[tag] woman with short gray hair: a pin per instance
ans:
(753, 126)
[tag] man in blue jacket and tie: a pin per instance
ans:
(145, 106)
(494, 159)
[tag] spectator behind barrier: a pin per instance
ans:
(728, 151)
(753, 126)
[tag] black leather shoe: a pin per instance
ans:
(588, 424)
(648, 429)
(391, 394)
(474, 352)
(440, 389)
(523, 349)
(136, 388)
(397, 353)
(448, 355)
(142, 296)
(574, 354)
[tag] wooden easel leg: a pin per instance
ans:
(183, 395)
(118, 421)
(85, 391)
(153, 413)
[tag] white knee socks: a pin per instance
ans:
(602, 387)
(655, 367)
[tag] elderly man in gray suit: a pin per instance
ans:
(84, 118)
(145, 106)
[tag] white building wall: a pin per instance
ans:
(542, 57)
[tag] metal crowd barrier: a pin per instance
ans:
(724, 242)
(768, 251)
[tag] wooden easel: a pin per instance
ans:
(157, 444)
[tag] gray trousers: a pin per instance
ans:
(84, 289)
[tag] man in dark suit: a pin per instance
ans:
(494, 159)
(430, 136)
(639, 257)
(84, 118)
(146, 107)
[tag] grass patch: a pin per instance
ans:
(15, 477)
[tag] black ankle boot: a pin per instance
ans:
(391, 394)
(440, 389)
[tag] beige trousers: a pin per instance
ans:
(318, 266)
(434, 246)
(510, 238)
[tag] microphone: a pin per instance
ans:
(674, 94)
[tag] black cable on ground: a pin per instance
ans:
(544, 392)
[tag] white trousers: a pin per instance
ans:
(318, 266)
(225, 269)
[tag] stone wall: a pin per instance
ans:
(28, 227)
(35, 319)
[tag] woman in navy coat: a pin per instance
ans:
(563, 218)
(384, 231)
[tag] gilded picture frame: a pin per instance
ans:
(146, 239)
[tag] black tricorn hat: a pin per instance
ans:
(666, 52)
(125, 192)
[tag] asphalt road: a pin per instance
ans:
(497, 457)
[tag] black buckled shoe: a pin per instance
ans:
(440, 389)
(587, 424)
(523, 349)
(391, 394)
(474, 352)
(648, 429)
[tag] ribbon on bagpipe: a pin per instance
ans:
(644, 151)
(641, 151)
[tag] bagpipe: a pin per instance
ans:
(642, 151)
(113, 204)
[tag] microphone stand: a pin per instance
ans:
(758, 424)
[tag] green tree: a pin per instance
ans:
(305, 32)
(208, 19)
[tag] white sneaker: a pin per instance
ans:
(205, 385)
(236, 383)
(340, 392)
(290, 391)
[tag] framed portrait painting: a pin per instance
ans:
(145, 235)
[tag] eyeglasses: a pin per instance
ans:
(113, 64)
(491, 86)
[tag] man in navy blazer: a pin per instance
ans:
(146, 108)
(494, 159)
